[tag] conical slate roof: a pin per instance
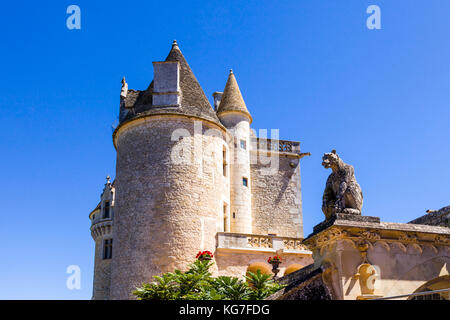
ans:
(232, 98)
(193, 99)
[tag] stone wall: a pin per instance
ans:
(276, 197)
(102, 273)
(165, 209)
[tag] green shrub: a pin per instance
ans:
(197, 284)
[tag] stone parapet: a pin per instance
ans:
(283, 147)
(241, 242)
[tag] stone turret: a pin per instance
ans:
(234, 115)
(102, 218)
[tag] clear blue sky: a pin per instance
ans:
(310, 68)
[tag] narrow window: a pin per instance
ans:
(93, 217)
(244, 144)
(107, 249)
(225, 218)
(245, 182)
(234, 215)
(106, 209)
(224, 161)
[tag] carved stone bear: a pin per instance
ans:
(342, 193)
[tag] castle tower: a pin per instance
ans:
(233, 113)
(170, 185)
(102, 232)
(191, 177)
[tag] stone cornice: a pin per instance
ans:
(386, 232)
(154, 116)
(101, 229)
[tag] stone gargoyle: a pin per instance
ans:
(342, 193)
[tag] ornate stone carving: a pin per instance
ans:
(342, 191)
(293, 244)
(441, 239)
(407, 237)
(260, 242)
(368, 235)
(328, 236)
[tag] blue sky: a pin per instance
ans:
(310, 68)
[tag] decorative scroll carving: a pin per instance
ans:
(407, 237)
(441, 239)
(259, 242)
(328, 236)
(293, 244)
(368, 235)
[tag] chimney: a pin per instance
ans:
(166, 83)
(217, 97)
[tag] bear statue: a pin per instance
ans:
(342, 193)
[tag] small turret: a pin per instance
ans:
(233, 114)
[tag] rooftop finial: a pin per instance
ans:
(108, 178)
(124, 90)
(174, 43)
(231, 71)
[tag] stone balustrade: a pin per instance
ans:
(242, 242)
(284, 146)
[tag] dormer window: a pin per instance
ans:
(106, 210)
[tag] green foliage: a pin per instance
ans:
(262, 285)
(231, 288)
(197, 284)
